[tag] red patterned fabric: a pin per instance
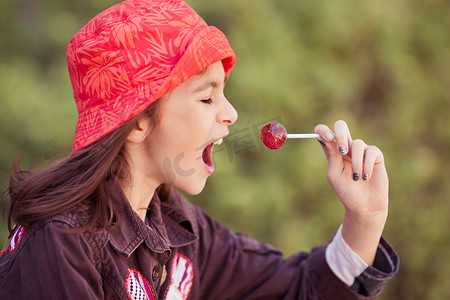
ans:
(132, 54)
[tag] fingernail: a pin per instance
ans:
(355, 176)
(342, 149)
(322, 143)
(365, 176)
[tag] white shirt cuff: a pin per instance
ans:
(343, 261)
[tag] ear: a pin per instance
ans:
(139, 131)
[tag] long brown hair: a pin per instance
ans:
(78, 182)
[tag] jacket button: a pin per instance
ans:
(155, 273)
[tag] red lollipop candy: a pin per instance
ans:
(274, 135)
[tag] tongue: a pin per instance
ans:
(207, 155)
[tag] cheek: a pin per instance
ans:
(181, 146)
(185, 128)
(190, 131)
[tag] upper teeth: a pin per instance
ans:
(218, 142)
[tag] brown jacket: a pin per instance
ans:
(181, 253)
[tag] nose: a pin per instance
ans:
(228, 115)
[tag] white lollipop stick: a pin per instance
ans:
(302, 135)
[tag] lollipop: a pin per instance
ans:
(274, 135)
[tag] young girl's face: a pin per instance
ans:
(194, 117)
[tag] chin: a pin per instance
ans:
(193, 188)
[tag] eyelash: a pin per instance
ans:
(207, 101)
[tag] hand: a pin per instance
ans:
(356, 171)
(358, 175)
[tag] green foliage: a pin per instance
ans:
(382, 66)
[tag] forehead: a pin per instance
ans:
(213, 75)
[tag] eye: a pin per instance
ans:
(207, 101)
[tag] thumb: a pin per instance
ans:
(325, 148)
(335, 159)
(329, 146)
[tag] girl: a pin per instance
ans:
(107, 222)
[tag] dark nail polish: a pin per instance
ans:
(342, 149)
(322, 143)
(365, 176)
(355, 176)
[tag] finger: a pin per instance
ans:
(357, 152)
(326, 139)
(325, 148)
(325, 133)
(373, 155)
(343, 137)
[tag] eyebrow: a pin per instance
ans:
(209, 84)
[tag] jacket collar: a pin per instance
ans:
(179, 216)
(170, 225)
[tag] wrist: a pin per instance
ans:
(362, 233)
(366, 219)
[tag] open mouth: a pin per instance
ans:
(207, 153)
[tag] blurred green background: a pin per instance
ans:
(383, 66)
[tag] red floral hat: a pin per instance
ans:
(132, 54)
